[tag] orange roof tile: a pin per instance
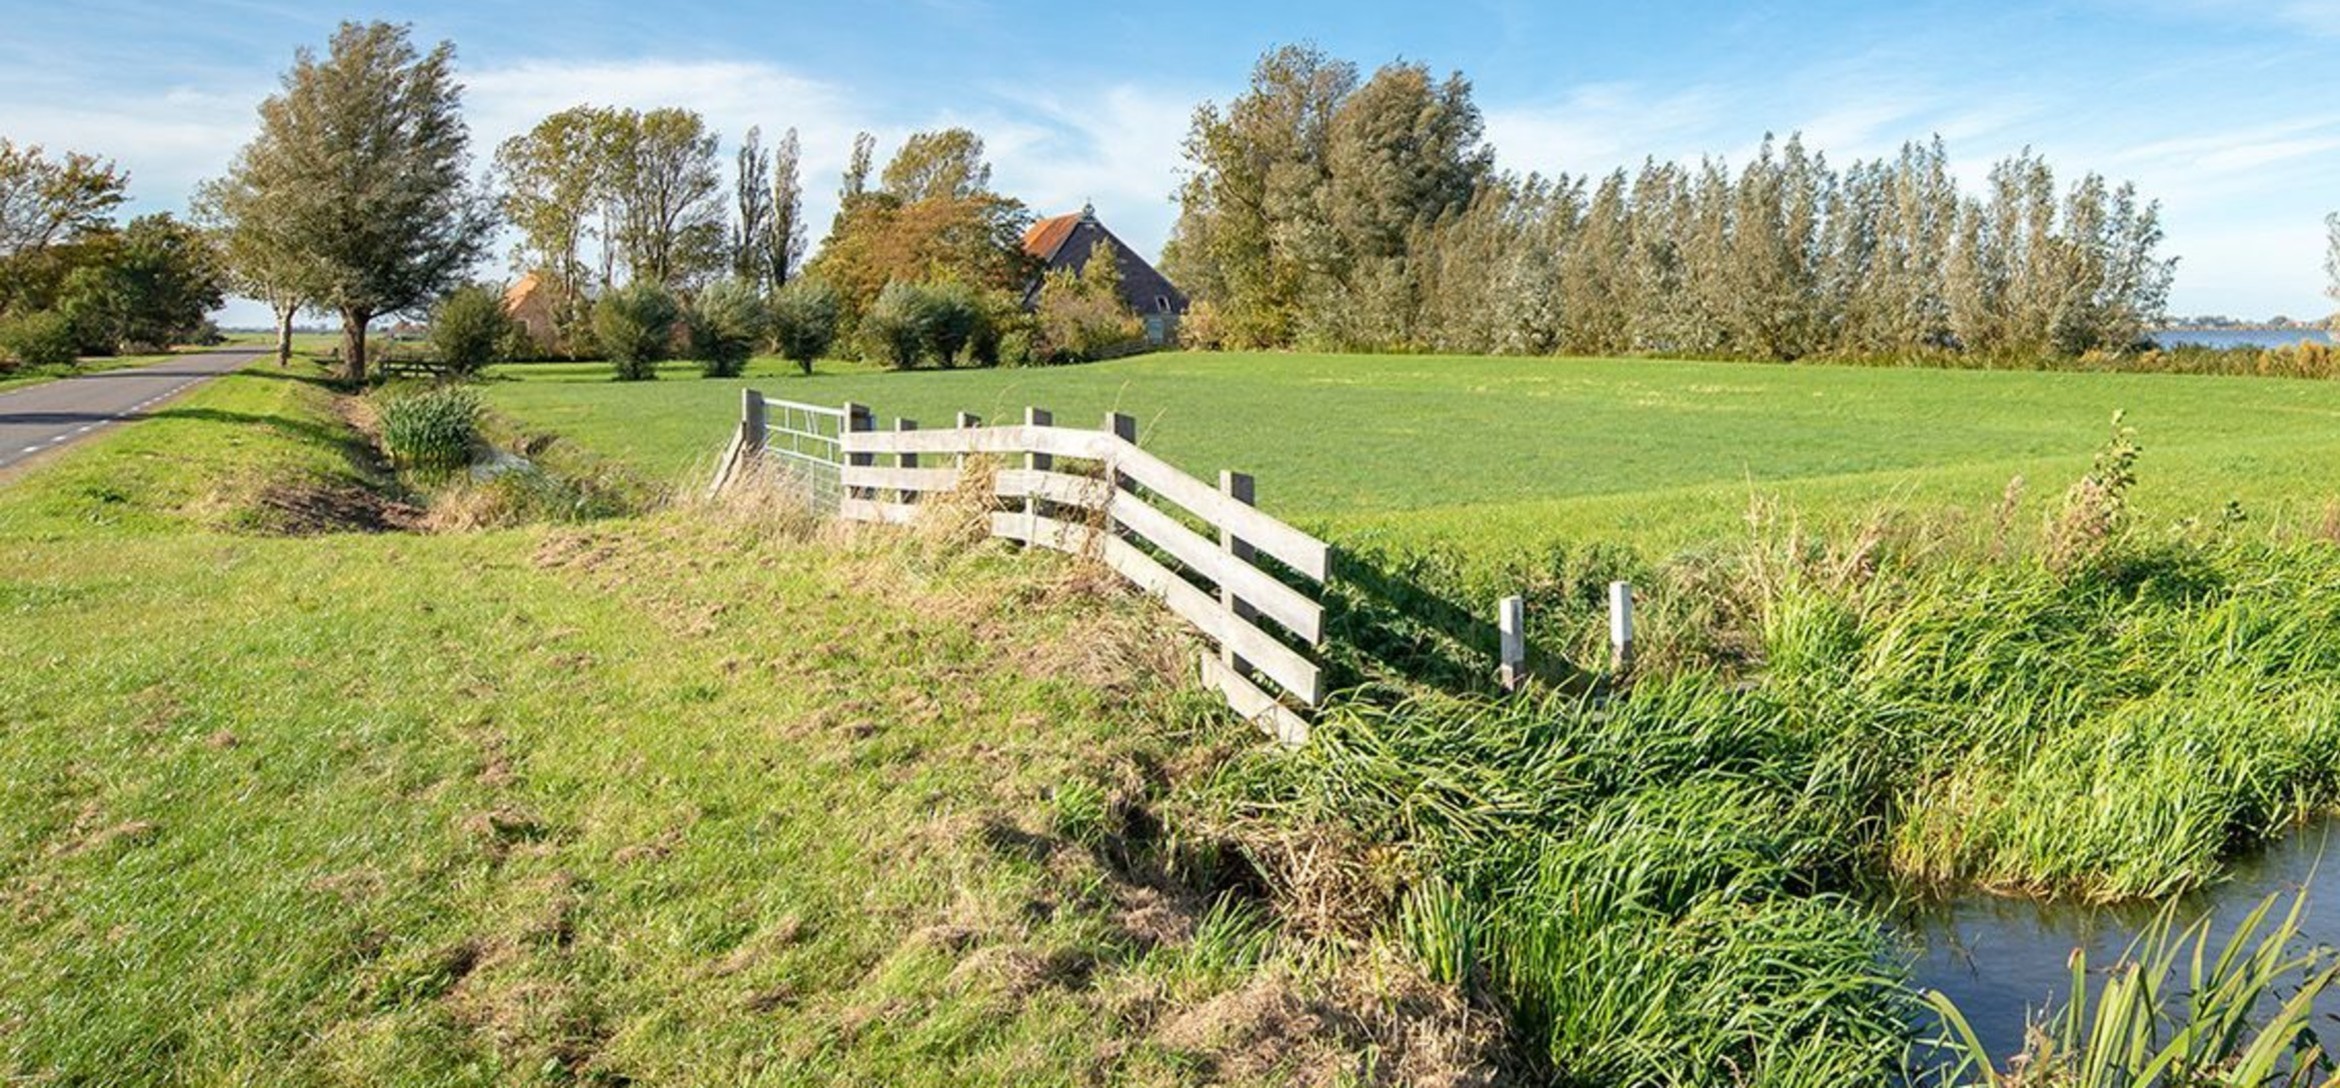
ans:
(1046, 235)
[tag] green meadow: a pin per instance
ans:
(1479, 453)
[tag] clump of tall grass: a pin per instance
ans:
(1650, 885)
(431, 433)
(2173, 1011)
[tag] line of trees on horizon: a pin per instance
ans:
(1325, 210)
(1321, 209)
(75, 282)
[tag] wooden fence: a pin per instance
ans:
(1249, 583)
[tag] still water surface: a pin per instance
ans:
(2004, 960)
(2240, 338)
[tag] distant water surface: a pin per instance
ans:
(2240, 338)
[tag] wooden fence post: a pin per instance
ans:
(966, 421)
(857, 419)
(906, 460)
(1239, 487)
(752, 424)
(1621, 625)
(1511, 623)
(1037, 462)
(1122, 426)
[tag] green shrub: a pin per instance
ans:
(804, 321)
(40, 338)
(1017, 347)
(955, 319)
(469, 329)
(1081, 321)
(899, 326)
(727, 321)
(431, 432)
(635, 325)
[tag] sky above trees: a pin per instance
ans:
(2219, 108)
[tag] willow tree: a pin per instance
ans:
(260, 262)
(362, 164)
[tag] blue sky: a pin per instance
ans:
(2223, 110)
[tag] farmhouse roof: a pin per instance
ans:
(1065, 241)
(522, 289)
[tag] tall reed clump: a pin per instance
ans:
(431, 433)
(2173, 1011)
(1656, 889)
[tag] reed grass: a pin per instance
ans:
(2173, 1011)
(1670, 877)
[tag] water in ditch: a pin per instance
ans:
(2005, 960)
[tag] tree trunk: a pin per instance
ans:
(284, 322)
(353, 346)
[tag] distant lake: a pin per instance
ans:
(2240, 338)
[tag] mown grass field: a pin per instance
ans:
(690, 798)
(1485, 453)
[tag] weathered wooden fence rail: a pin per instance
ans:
(1196, 548)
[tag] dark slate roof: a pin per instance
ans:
(1065, 241)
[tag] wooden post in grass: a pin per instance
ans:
(857, 419)
(1511, 625)
(1621, 626)
(1037, 462)
(1239, 487)
(966, 421)
(751, 422)
(906, 460)
(1123, 427)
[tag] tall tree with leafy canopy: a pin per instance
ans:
(924, 224)
(944, 165)
(48, 205)
(784, 241)
(751, 194)
(256, 257)
(161, 278)
(553, 179)
(45, 200)
(363, 158)
(667, 185)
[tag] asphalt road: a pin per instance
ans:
(45, 417)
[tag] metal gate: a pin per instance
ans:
(789, 446)
(801, 450)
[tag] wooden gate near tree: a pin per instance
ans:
(1246, 581)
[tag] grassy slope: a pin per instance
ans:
(1478, 451)
(678, 799)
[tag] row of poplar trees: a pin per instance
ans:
(1326, 211)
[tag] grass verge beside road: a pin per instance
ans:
(685, 798)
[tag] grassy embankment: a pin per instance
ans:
(1684, 880)
(691, 797)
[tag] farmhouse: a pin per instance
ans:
(1065, 241)
(529, 303)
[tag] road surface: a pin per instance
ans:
(45, 417)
